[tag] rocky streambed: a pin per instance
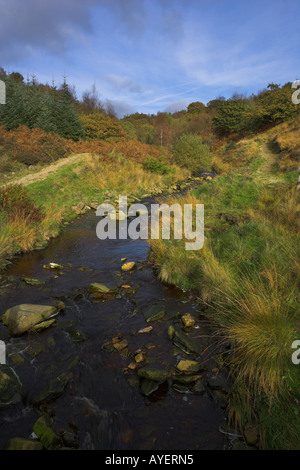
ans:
(110, 358)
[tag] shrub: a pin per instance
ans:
(189, 151)
(156, 165)
(33, 146)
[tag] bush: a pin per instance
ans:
(189, 151)
(33, 146)
(156, 165)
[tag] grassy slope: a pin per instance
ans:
(247, 277)
(81, 181)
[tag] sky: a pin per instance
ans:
(152, 56)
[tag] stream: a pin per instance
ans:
(102, 406)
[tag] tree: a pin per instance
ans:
(196, 107)
(68, 123)
(231, 115)
(101, 126)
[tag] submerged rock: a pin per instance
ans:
(10, 386)
(101, 291)
(22, 318)
(53, 390)
(184, 342)
(53, 266)
(33, 282)
(148, 386)
(154, 313)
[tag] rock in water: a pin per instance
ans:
(184, 365)
(153, 373)
(10, 386)
(154, 313)
(45, 431)
(53, 390)
(22, 318)
(19, 443)
(128, 266)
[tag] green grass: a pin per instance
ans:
(247, 277)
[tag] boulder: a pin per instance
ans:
(22, 318)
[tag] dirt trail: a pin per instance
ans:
(42, 174)
(266, 170)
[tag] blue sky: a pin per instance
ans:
(153, 55)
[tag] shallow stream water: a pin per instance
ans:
(102, 405)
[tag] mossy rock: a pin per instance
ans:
(45, 431)
(154, 313)
(101, 291)
(128, 266)
(53, 390)
(187, 366)
(19, 443)
(10, 386)
(148, 386)
(185, 342)
(22, 318)
(153, 373)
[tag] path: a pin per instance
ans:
(42, 174)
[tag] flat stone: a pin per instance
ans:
(19, 443)
(154, 313)
(153, 373)
(120, 345)
(33, 282)
(184, 365)
(97, 288)
(184, 342)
